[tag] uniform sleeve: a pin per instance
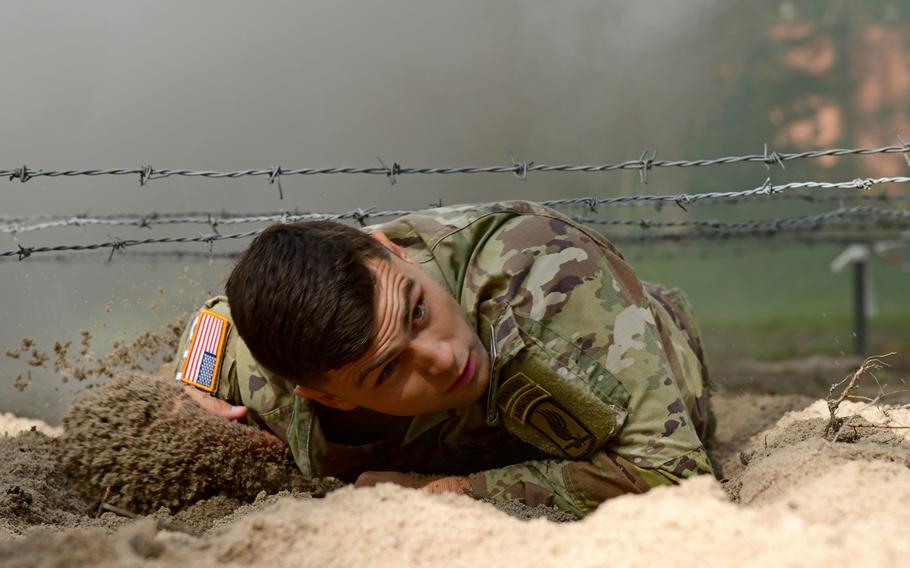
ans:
(578, 487)
(239, 379)
(575, 298)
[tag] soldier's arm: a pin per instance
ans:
(216, 406)
(599, 331)
(578, 487)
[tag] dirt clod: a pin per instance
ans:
(148, 445)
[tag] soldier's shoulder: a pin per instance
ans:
(436, 223)
(219, 305)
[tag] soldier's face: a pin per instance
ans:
(424, 356)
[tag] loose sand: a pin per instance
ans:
(10, 425)
(790, 497)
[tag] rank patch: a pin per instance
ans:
(203, 354)
(510, 388)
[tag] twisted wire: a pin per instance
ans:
(520, 169)
(17, 224)
(868, 219)
(362, 215)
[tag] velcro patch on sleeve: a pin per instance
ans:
(531, 405)
(204, 352)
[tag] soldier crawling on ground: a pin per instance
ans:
(502, 350)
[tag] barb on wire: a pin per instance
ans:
(521, 168)
(116, 244)
(275, 176)
(361, 215)
(23, 174)
(645, 163)
(772, 158)
(213, 223)
(391, 172)
(145, 174)
(906, 148)
(22, 252)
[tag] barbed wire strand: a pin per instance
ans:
(845, 215)
(726, 230)
(214, 222)
(857, 236)
(671, 251)
(13, 224)
(867, 236)
(646, 162)
(362, 215)
(685, 199)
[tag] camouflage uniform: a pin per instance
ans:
(598, 385)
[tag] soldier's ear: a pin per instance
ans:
(324, 398)
(392, 247)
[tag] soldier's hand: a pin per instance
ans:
(215, 406)
(431, 484)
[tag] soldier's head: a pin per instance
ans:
(353, 321)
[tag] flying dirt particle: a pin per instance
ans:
(21, 384)
(108, 307)
(85, 343)
(13, 352)
(61, 350)
(39, 358)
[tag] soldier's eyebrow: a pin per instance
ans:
(406, 291)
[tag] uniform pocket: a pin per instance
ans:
(556, 397)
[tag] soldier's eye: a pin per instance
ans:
(386, 372)
(419, 312)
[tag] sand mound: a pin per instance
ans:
(692, 525)
(141, 443)
(33, 490)
(795, 451)
(794, 497)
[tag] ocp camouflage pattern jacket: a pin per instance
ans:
(598, 385)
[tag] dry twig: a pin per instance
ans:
(850, 383)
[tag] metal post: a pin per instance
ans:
(860, 306)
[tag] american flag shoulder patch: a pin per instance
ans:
(203, 354)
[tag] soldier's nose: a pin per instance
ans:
(434, 357)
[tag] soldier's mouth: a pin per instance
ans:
(467, 374)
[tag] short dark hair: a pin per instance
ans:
(302, 298)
